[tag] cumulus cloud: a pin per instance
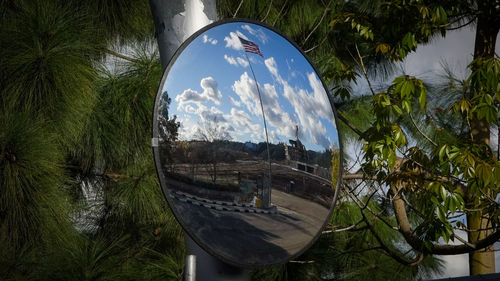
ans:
(276, 116)
(212, 114)
(236, 61)
(247, 126)
(210, 92)
(189, 109)
(232, 40)
(309, 106)
(230, 60)
(234, 101)
(320, 97)
(204, 123)
(209, 86)
(207, 39)
(242, 62)
(257, 32)
(246, 89)
(190, 95)
(273, 68)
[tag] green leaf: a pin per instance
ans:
(397, 109)
(422, 99)
(440, 214)
(442, 151)
(453, 203)
(406, 106)
(443, 192)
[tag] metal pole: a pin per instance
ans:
(266, 185)
(209, 268)
(176, 20)
(190, 271)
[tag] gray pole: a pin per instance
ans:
(266, 183)
(190, 271)
(175, 21)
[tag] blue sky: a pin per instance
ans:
(211, 85)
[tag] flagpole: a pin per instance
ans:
(265, 125)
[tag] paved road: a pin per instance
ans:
(254, 238)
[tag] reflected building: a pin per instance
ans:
(296, 151)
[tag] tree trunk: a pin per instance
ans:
(482, 261)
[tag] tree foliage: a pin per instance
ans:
(79, 199)
(429, 159)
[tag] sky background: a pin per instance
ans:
(211, 85)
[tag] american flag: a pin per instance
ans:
(250, 47)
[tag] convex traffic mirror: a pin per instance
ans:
(245, 144)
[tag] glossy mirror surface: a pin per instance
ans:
(246, 145)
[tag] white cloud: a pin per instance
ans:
(236, 61)
(259, 33)
(212, 115)
(242, 61)
(194, 108)
(273, 68)
(190, 95)
(320, 97)
(189, 109)
(309, 107)
(230, 60)
(240, 117)
(209, 86)
(187, 127)
(210, 92)
(246, 89)
(248, 126)
(234, 101)
(207, 39)
(204, 123)
(276, 116)
(232, 40)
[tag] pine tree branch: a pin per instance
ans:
(420, 131)
(279, 14)
(349, 124)
(462, 25)
(317, 45)
(462, 240)
(268, 10)
(365, 207)
(238, 9)
(363, 69)
(327, 8)
(393, 254)
(118, 55)
(351, 227)
(358, 176)
(360, 250)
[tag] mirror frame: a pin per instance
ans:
(156, 153)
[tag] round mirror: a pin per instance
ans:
(245, 144)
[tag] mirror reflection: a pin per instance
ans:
(248, 151)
